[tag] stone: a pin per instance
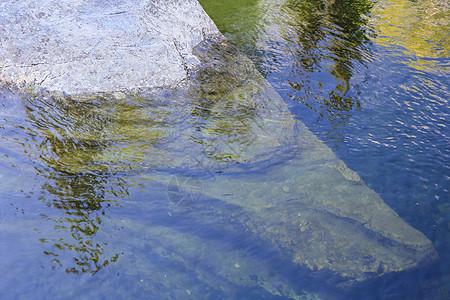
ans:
(77, 46)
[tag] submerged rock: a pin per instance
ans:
(311, 207)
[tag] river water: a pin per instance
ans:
(371, 79)
(101, 198)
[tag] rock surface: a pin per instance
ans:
(78, 46)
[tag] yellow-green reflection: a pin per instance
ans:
(420, 27)
(324, 36)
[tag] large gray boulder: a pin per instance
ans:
(91, 46)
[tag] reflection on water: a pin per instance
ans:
(81, 199)
(272, 195)
(388, 64)
(419, 27)
(61, 139)
(310, 49)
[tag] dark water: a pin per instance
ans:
(86, 210)
(371, 79)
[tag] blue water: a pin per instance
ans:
(369, 79)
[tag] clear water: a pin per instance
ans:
(371, 79)
(83, 215)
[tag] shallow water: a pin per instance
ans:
(371, 79)
(126, 195)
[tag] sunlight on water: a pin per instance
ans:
(419, 27)
(371, 80)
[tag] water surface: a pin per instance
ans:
(107, 197)
(371, 80)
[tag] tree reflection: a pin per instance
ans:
(82, 198)
(66, 137)
(325, 37)
(419, 27)
(83, 147)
